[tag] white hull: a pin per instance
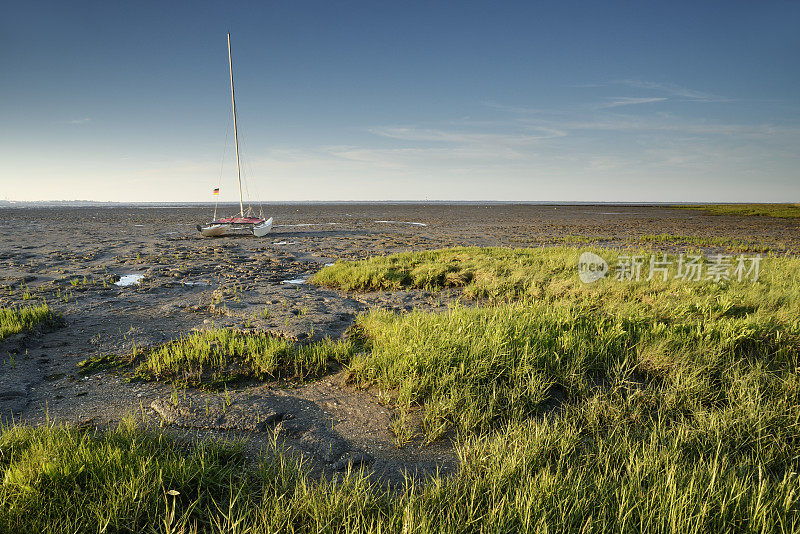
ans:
(219, 230)
(260, 230)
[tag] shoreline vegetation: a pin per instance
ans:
(661, 404)
(788, 211)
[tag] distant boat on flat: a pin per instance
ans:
(245, 222)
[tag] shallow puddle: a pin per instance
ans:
(304, 224)
(403, 222)
(129, 280)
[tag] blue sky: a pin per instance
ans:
(534, 101)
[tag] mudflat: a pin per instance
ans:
(128, 278)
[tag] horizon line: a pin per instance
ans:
(6, 202)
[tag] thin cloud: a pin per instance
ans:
(675, 91)
(632, 101)
(519, 110)
(675, 125)
(80, 121)
(479, 138)
(431, 157)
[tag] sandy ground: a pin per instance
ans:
(72, 256)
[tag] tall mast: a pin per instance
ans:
(235, 131)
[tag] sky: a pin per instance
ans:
(512, 101)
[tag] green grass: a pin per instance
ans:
(627, 406)
(214, 358)
(56, 479)
(762, 210)
(100, 363)
(16, 320)
(481, 272)
(550, 339)
(572, 474)
(549, 274)
(474, 370)
(582, 379)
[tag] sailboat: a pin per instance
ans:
(245, 222)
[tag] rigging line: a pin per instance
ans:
(256, 193)
(221, 166)
(256, 190)
(247, 171)
(243, 172)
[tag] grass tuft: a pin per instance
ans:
(17, 320)
(214, 358)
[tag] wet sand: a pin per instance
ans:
(72, 257)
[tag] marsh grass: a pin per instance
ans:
(542, 338)
(550, 274)
(57, 479)
(676, 397)
(214, 358)
(481, 272)
(760, 210)
(561, 475)
(474, 370)
(15, 320)
(626, 406)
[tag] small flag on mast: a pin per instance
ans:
(216, 191)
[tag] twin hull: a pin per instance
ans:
(215, 229)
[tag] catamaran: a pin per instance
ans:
(245, 222)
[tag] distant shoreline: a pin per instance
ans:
(100, 204)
